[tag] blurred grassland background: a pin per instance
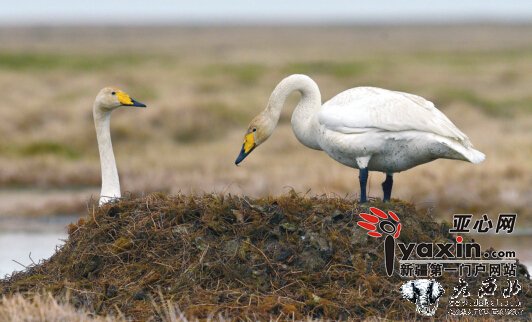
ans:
(204, 84)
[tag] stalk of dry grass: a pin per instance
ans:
(44, 308)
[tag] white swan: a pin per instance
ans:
(365, 128)
(107, 100)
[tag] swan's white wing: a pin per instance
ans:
(368, 108)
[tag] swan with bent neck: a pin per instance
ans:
(366, 128)
(107, 100)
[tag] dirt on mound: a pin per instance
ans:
(286, 257)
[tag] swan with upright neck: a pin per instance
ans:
(367, 128)
(107, 100)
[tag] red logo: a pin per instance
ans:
(378, 223)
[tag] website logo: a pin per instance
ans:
(380, 223)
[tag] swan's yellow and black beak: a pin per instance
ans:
(125, 100)
(248, 146)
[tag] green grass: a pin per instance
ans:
(496, 108)
(48, 148)
(243, 73)
(143, 92)
(336, 69)
(467, 59)
(51, 61)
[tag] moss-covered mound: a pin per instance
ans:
(286, 257)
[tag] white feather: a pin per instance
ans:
(383, 117)
(360, 108)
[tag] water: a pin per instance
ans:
(519, 241)
(29, 240)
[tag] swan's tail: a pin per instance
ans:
(464, 152)
(474, 156)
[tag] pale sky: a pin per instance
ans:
(124, 12)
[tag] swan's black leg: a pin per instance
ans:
(363, 178)
(387, 187)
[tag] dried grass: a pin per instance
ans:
(290, 257)
(44, 308)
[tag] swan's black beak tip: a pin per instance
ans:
(138, 104)
(242, 156)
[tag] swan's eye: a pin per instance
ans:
(113, 93)
(254, 130)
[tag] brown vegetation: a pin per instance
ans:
(287, 257)
(44, 308)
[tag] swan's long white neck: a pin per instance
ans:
(304, 117)
(110, 182)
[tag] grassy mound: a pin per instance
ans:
(287, 257)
